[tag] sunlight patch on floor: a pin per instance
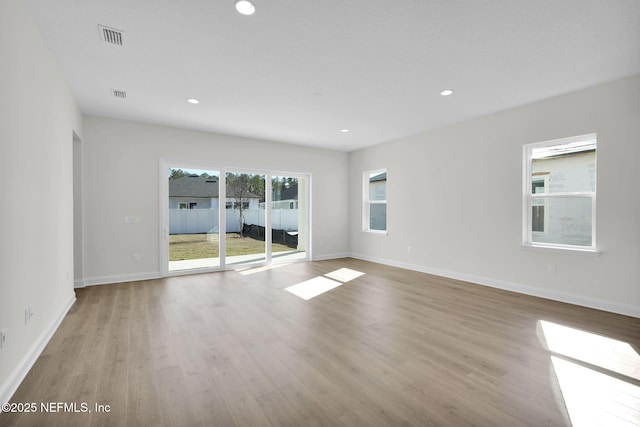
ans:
(608, 353)
(598, 376)
(253, 270)
(594, 398)
(344, 275)
(318, 285)
(313, 287)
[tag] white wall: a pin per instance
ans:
(455, 197)
(38, 117)
(121, 178)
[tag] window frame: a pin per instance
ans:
(529, 197)
(545, 219)
(367, 202)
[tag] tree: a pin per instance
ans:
(257, 186)
(242, 187)
(177, 173)
(279, 184)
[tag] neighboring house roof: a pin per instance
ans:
(193, 186)
(198, 186)
(381, 177)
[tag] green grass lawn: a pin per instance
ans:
(196, 246)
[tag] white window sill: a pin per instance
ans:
(559, 249)
(380, 232)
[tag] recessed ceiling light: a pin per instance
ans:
(245, 7)
(193, 101)
(344, 130)
(446, 92)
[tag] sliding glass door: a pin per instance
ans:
(216, 218)
(245, 211)
(194, 218)
(289, 217)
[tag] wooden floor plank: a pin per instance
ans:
(390, 347)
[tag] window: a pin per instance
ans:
(234, 205)
(538, 185)
(187, 205)
(375, 201)
(560, 193)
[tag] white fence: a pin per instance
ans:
(188, 221)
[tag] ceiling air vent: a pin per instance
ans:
(119, 93)
(110, 35)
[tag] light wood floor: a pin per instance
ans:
(392, 347)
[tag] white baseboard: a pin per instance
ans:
(78, 284)
(103, 280)
(22, 369)
(610, 306)
(330, 256)
(599, 304)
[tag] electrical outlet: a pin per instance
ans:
(28, 314)
(551, 269)
(3, 338)
(408, 249)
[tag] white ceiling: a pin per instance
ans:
(299, 71)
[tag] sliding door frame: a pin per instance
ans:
(222, 223)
